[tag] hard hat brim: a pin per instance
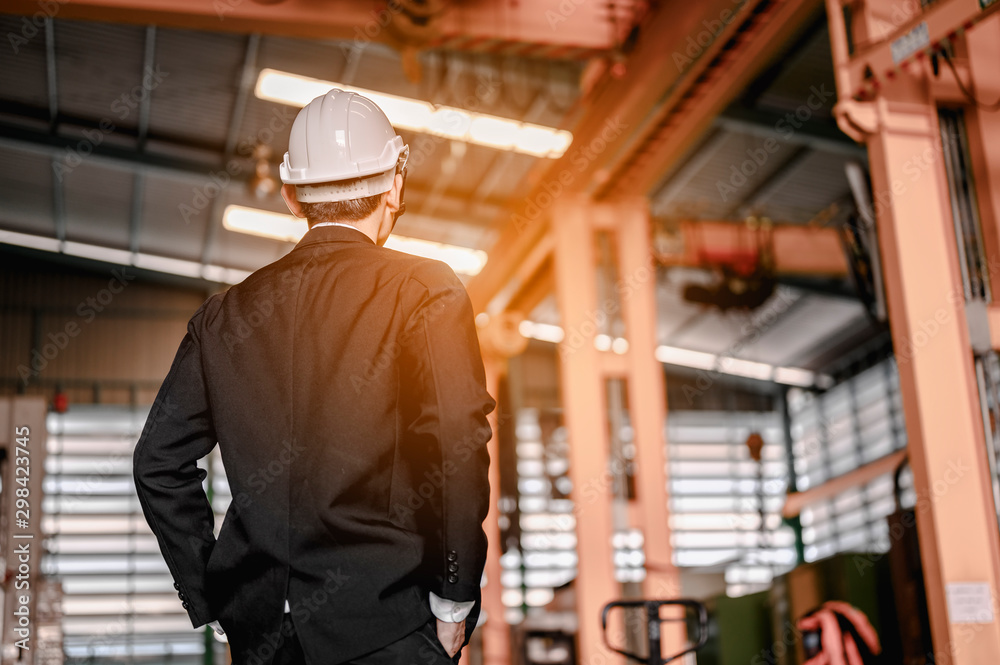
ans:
(311, 176)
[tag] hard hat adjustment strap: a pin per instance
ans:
(404, 155)
(344, 190)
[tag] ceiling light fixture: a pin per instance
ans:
(672, 355)
(420, 116)
(278, 226)
(153, 262)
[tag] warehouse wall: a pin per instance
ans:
(101, 333)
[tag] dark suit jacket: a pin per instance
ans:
(345, 388)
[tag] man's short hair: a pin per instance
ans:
(352, 210)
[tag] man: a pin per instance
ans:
(345, 388)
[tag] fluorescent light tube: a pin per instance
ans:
(264, 223)
(462, 260)
(419, 116)
(544, 332)
(164, 264)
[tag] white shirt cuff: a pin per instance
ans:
(451, 611)
(287, 607)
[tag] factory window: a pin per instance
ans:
(539, 521)
(725, 508)
(857, 422)
(118, 601)
(715, 489)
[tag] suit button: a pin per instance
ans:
(177, 586)
(452, 556)
(453, 578)
(453, 567)
(184, 605)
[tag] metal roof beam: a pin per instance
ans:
(112, 156)
(50, 74)
(248, 77)
(500, 162)
(816, 134)
(794, 53)
(58, 204)
(541, 28)
(127, 159)
(148, 62)
(769, 184)
(700, 159)
(711, 83)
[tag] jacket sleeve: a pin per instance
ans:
(177, 433)
(450, 389)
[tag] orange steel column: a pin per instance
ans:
(584, 403)
(646, 397)
(956, 522)
(983, 46)
(496, 635)
(955, 517)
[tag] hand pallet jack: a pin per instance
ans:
(653, 623)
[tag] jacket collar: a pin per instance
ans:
(333, 234)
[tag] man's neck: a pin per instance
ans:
(356, 227)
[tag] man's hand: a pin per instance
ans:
(451, 635)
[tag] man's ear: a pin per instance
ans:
(288, 193)
(388, 217)
(394, 196)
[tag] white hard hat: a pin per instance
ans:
(345, 141)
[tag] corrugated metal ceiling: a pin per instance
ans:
(454, 196)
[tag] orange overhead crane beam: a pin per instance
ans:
(674, 61)
(796, 250)
(544, 28)
(676, 123)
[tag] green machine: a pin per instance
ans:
(759, 629)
